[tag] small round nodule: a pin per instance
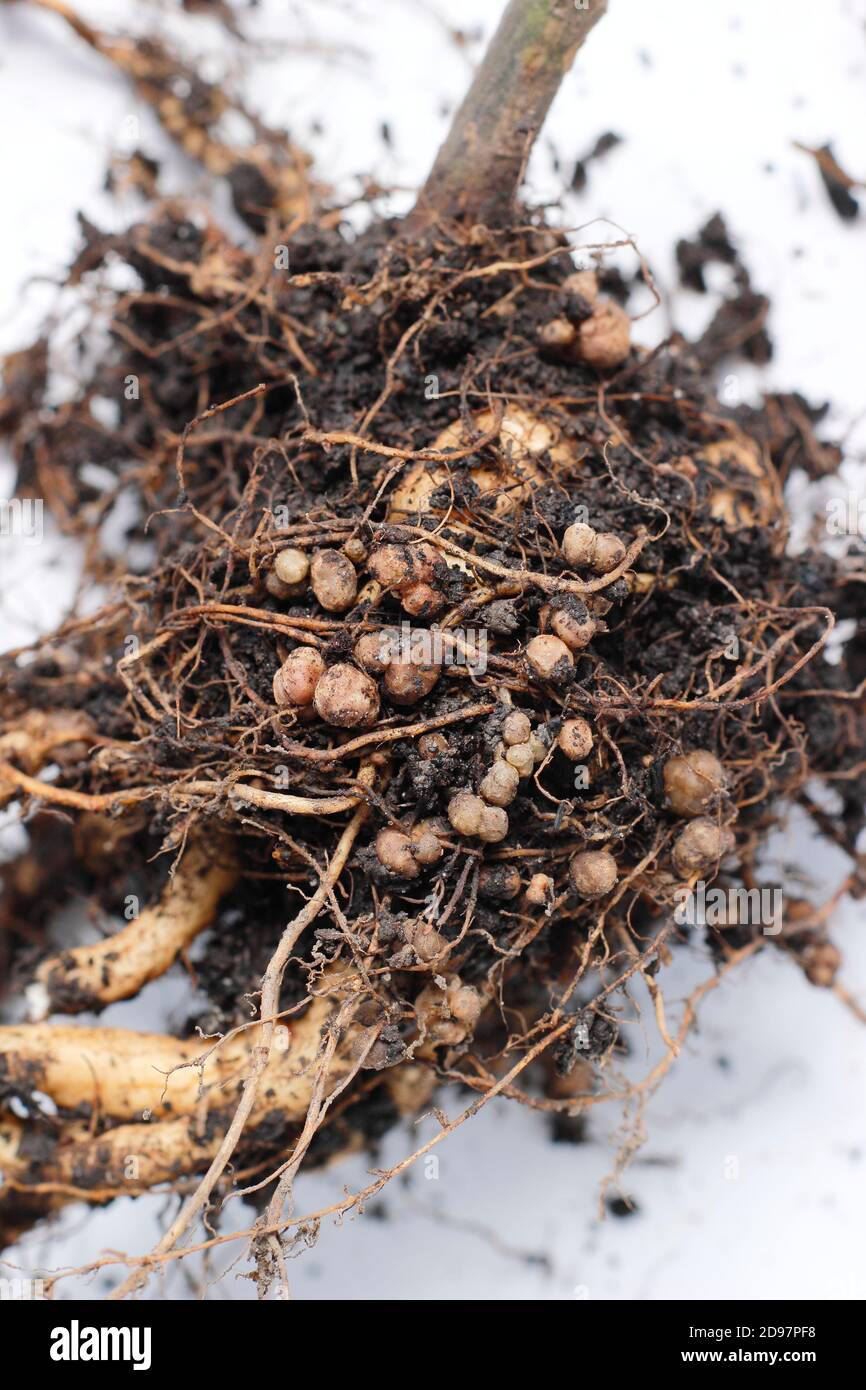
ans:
(347, 698)
(395, 851)
(431, 745)
(333, 580)
(396, 566)
(538, 746)
(609, 552)
(499, 784)
(604, 339)
(465, 811)
(557, 335)
(355, 550)
(578, 544)
(574, 625)
(427, 943)
(296, 681)
(592, 873)
(407, 682)
(291, 566)
(693, 781)
(464, 1002)
(493, 825)
(521, 756)
(540, 890)
(389, 564)
(426, 845)
(421, 600)
(821, 962)
(277, 589)
(499, 882)
(549, 659)
(700, 846)
(373, 651)
(575, 739)
(516, 727)
(584, 283)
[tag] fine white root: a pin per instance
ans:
(89, 977)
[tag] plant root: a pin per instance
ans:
(270, 175)
(86, 978)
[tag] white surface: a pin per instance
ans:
(775, 1078)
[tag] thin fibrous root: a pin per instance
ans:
(260, 1060)
(89, 977)
(41, 737)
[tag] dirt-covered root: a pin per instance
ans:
(37, 738)
(89, 977)
(172, 1097)
(173, 1100)
(268, 175)
(121, 1074)
(43, 1171)
(75, 1164)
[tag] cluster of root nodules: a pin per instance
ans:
(461, 639)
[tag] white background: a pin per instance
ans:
(710, 99)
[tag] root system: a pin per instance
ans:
(517, 580)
